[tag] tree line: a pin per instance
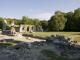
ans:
(25, 20)
(60, 21)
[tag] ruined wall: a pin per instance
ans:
(28, 28)
(25, 28)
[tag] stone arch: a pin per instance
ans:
(32, 28)
(27, 28)
(23, 28)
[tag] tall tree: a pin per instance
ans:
(69, 17)
(44, 25)
(75, 26)
(57, 22)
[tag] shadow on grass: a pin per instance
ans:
(6, 44)
(53, 56)
(9, 42)
(76, 34)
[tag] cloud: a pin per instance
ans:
(43, 16)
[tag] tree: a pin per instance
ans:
(69, 17)
(57, 22)
(75, 26)
(36, 22)
(1, 22)
(18, 21)
(44, 25)
(28, 21)
(9, 20)
(24, 20)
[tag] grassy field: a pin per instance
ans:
(74, 35)
(46, 34)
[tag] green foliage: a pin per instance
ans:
(65, 21)
(9, 20)
(44, 25)
(25, 20)
(1, 22)
(36, 22)
(17, 21)
(76, 20)
(69, 22)
(57, 22)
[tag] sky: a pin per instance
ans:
(41, 9)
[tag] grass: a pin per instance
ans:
(6, 44)
(11, 43)
(46, 34)
(77, 39)
(48, 53)
(15, 42)
(52, 56)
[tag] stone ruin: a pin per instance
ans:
(30, 28)
(8, 28)
(12, 28)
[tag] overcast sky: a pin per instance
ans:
(42, 9)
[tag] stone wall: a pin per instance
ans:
(30, 28)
